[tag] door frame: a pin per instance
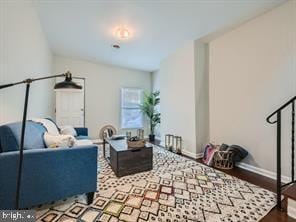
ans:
(82, 78)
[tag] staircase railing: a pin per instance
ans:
(278, 121)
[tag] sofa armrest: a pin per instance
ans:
(48, 175)
(82, 131)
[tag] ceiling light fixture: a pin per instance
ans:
(122, 33)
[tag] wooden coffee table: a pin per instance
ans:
(125, 161)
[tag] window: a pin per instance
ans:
(131, 115)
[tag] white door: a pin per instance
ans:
(70, 107)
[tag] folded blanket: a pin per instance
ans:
(239, 153)
(209, 153)
(54, 141)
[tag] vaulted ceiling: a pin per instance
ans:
(85, 29)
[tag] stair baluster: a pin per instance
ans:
(278, 160)
(293, 140)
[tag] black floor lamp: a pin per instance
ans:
(67, 84)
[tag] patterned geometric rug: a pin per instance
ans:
(177, 189)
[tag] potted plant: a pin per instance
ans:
(151, 100)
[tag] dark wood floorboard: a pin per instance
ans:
(274, 215)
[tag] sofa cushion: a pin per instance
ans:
(10, 136)
(82, 137)
(7, 139)
(83, 142)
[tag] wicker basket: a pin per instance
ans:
(136, 144)
(223, 160)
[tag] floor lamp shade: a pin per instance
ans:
(67, 84)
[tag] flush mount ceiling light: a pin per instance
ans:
(122, 33)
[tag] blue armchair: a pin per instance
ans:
(48, 174)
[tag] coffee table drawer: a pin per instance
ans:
(135, 154)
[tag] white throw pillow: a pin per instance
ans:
(58, 141)
(68, 130)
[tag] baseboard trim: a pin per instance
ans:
(262, 172)
(192, 155)
(187, 153)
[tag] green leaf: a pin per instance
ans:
(150, 101)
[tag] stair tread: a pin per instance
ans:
(290, 191)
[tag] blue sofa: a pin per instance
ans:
(49, 174)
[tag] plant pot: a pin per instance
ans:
(151, 138)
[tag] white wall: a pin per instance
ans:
(24, 53)
(103, 84)
(201, 95)
(177, 81)
(253, 72)
(184, 90)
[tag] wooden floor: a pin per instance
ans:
(275, 215)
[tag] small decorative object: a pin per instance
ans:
(140, 133)
(177, 144)
(151, 100)
(169, 141)
(128, 135)
(107, 131)
(223, 160)
(166, 143)
(135, 142)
